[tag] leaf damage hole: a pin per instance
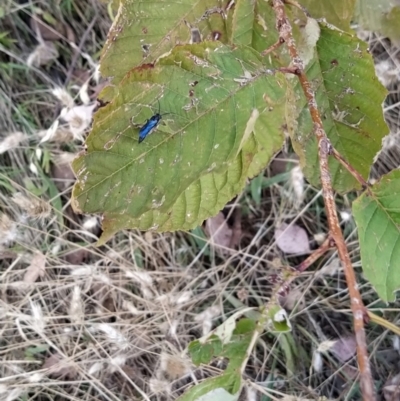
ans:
(195, 35)
(214, 10)
(230, 5)
(216, 35)
(145, 48)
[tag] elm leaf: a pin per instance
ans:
(377, 214)
(196, 160)
(354, 124)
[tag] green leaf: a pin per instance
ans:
(144, 31)
(380, 16)
(377, 214)
(204, 352)
(390, 25)
(337, 12)
(200, 240)
(252, 23)
(256, 188)
(30, 352)
(230, 327)
(221, 388)
(348, 106)
(199, 157)
(287, 344)
(233, 344)
(230, 339)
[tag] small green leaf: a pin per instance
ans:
(377, 214)
(138, 257)
(32, 351)
(201, 240)
(49, 18)
(5, 40)
(286, 343)
(256, 187)
(204, 352)
(353, 122)
(221, 388)
(245, 326)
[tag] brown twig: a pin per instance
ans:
(282, 282)
(273, 47)
(325, 246)
(324, 147)
(349, 167)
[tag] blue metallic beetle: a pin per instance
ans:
(150, 124)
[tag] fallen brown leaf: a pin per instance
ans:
(292, 239)
(344, 348)
(391, 389)
(219, 232)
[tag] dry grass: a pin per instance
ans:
(112, 323)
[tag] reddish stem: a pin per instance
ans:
(324, 148)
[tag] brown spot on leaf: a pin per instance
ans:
(140, 69)
(144, 67)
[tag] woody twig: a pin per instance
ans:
(324, 150)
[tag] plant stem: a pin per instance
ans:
(324, 148)
(349, 168)
(327, 244)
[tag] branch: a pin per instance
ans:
(350, 169)
(324, 149)
(328, 244)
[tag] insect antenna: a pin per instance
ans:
(159, 109)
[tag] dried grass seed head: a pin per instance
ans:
(34, 207)
(8, 230)
(12, 141)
